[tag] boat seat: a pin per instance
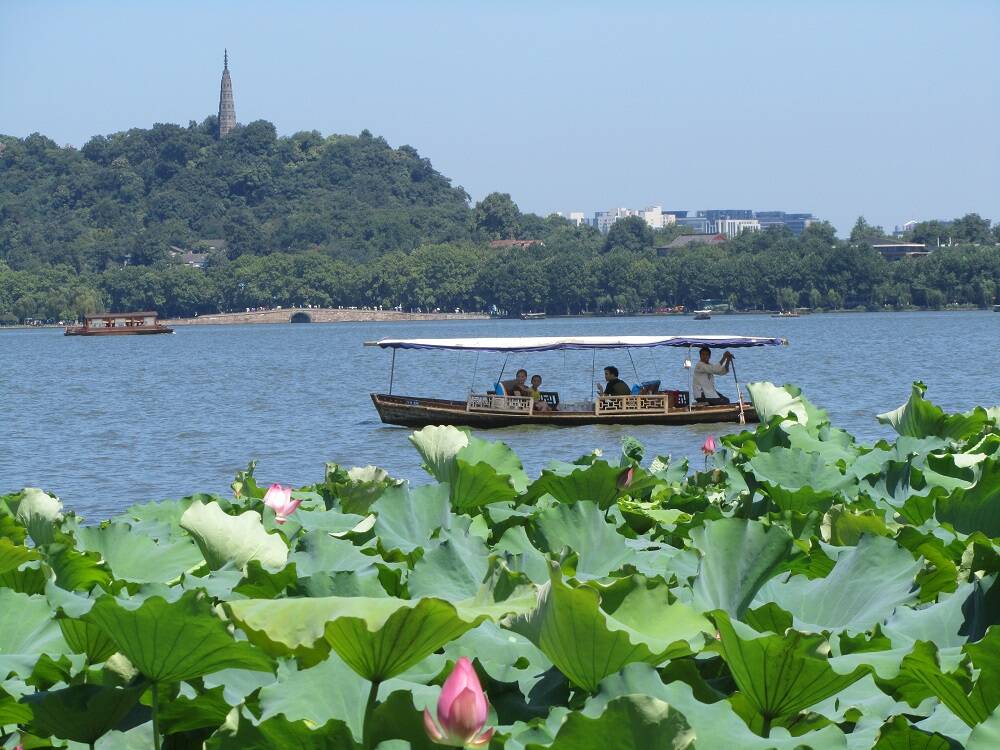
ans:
(550, 397)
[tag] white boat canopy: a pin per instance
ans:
(555, 343)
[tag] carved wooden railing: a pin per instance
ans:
(492, 402)
(648, 404)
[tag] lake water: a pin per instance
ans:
(106, 422)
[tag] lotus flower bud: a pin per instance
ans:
(625, 478)
(462, 711)
(709, 446)
(279, 499)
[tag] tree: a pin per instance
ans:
(972, 228)
(865, 232)
(496, 217)
(631, 234)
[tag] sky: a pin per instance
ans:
(884, 109)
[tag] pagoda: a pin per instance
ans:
(227, 108)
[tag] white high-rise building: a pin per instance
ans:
(604, 219)
(577, 217)
(733, 227)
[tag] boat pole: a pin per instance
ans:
(634, 369)
(739, 395)
(392, 370)
(475, 371)
(593, 375)
(691, 392)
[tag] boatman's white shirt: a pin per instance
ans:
(703, 382)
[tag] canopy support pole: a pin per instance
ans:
(392, 370)
(593, 375)
(475, 371)
(739, 395)
(503, 367)
(691, 392)
(634, 369)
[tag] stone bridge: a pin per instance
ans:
(318, 315)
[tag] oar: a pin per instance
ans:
(739, 395)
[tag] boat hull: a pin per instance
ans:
(408, 411)
(137, 331)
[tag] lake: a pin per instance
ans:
(106, 422)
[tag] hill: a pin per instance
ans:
(126, 198)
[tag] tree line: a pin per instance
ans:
(350, 221)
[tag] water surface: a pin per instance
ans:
(105, 422)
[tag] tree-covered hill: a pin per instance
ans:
(130, 196)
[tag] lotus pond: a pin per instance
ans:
(798, 589)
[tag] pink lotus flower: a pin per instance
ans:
(462, 710)
(279, 499)
(709, 446)
(625, 478)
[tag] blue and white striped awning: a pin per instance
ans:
(555, 343)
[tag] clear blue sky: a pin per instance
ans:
(887, 109)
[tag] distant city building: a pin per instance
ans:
(797, 223)
(897, 250)
(734, 227)
(578, 218)
(509, 244)
(697, 224)
(717, 214)
(227, 107)
(603, 220)
(907, 227)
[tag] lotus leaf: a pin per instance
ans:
(136, 557)
(784, 402)
(279, 732)
(583, 528)
(867, 583)
(631, 722)
(920, 418)
(377, 637)
(173, 641)
(799, 481)
(238, 539)
(738, 556)
(588, 643)
(453, 570)
(570, 483)
(977, 508)
(39, 512)
(27, 631)
(408, 518)
(83, 713)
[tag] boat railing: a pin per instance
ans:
(656, 403)
(493, 402)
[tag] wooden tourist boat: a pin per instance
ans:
(119, 324)
(702, 314)
(647, 405)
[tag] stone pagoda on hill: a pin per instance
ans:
(227, 108)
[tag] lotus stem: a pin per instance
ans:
(367, 741)
(156, 716)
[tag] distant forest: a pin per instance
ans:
(350, 221)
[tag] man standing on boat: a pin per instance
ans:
(613, 386)
(703, 383)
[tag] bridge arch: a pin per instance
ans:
(300, 317)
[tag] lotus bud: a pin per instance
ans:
(462, 711)
(625, 478)
(709, 446)
(279, 499)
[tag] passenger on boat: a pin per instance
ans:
(519, 385)
(703, 384)
(536, 394)
(613, 386)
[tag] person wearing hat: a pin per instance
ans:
(613, 385)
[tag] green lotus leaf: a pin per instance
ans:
(207, 709)
(454, 570)
(502, 654)
(581, 527)
(899, 735)
(438, 447)
(778, 675)
(377, 637)
(238, 539)
(716, 724)
(84, 713)
(738, 556)
(294, 695)
(12, 556)
(918, 417)
(40, 513)
(784, 402)
(587, 643)
(407, 518)
(279, 732)
(986, 734)
(866, 584)
(322, 553)
(157, 519)
(136, 557)
(596, 482)
(12, 712)
(799, 481)
(173, 641)
(631, 722)
(975, 509)
(27, 631)
(843, 527)
(524, 557)
(365, 485)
